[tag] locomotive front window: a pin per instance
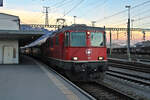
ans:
(78, 39)
(97, 39)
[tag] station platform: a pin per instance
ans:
(33, 80)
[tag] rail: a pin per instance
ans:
(102, 91)
(136, 66)
(129, 77)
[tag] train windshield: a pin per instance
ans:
(78, 39)
(97, 39)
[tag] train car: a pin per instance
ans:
(79, 51)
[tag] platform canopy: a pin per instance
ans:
(39, 41)
(13, 34)
(24, 37)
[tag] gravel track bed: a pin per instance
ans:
(141, 75)
(101, 92)
(139, 92)
(130, 66)
(128, 77)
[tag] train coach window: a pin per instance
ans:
(67, 39)
(78, 39)
(97, 39)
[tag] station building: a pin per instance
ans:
(11, 38)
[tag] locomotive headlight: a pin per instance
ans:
(75, 58)
(88, 33)
(100, 58)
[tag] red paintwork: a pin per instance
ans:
(67, 53)
(80, 52)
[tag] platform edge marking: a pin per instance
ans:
(68, 93)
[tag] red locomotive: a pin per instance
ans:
(79, 51)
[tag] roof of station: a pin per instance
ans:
(39, 41)
(9, 15)
(14, 34)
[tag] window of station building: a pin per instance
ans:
(57, 40)
(67, 39)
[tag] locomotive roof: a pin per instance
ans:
(81, 28)
(43, 38)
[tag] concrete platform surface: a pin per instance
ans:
(32, 80)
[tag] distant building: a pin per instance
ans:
(11, 37)
(8, 46)
(9, 22)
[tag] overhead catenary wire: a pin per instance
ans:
(73, 7)
(63, 4)
(120, 12)
(94, 6)
(58, 3)
(145, 17)
(141, 4)
(145, 11)
(142, 24)
(134, 17)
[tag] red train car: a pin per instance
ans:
(79, 51)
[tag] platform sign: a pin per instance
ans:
(1, 3)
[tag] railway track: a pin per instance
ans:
(131, 66)
(130, 77)
(101, 91)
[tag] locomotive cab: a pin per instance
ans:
(85, 51)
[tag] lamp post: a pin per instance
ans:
(128, 32)
(74, 19)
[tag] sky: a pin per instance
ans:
(89, 10)
(101, 11)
